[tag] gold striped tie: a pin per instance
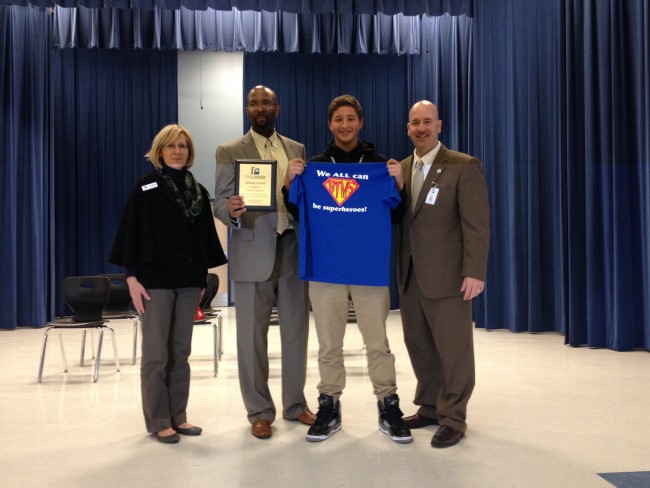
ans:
(281, 209)
(418, 179)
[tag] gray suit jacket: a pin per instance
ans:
(449, 240)
(252, 247)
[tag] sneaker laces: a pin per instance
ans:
(392, 412)
(325, 410)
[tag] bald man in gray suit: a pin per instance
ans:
(264, 267)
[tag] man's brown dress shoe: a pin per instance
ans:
(261, 429)
(418, 421)
(446, 436)
(306, 417)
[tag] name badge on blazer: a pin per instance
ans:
(432, 196)
(150, 186)
(433, 192)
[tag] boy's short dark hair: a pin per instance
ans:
(344, 101)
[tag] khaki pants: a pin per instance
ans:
(330, 305)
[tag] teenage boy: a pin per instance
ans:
(330, 300)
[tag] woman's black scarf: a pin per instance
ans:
(190, 199)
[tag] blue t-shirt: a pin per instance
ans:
(345, 226)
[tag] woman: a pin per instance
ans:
(166, 240)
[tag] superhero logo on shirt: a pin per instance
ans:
(340, 188)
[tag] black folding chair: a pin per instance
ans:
(118, 307)
(86, 296)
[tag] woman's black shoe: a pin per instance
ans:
(166, 439)
(189, 431)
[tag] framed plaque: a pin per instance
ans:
(255, 181)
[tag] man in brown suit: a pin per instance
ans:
(442, 262)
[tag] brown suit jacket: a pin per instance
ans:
(449, 240)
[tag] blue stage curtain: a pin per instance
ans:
(562, 97)
(25, 186)
(305, 84)
(388, 7)
(442, 74)
(516, 120)
(108, 106)
(605, 116)
(215, 30)
(555, 105)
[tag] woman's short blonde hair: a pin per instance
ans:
(166, 135)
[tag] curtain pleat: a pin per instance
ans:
(560, 121)
(249, 31)
(442, 75)
(387, 7)
(517, 110)
(608, 162)
(25, 138)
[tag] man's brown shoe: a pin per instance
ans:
(306, 417)
(418, 421)
(446, 436)
(261, 429)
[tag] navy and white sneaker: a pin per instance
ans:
(328, 419)
(391, 422)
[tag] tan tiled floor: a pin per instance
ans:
(542, 415)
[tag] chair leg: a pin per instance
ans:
(43, 348)
(99, 354)
(92, 345)
(117, 356)
(216, 346)
(83, 348)
(65, 358)
(136, 322)
(220, 320)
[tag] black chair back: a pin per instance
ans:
(86, 296)
(119, 298)
(210, 291)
